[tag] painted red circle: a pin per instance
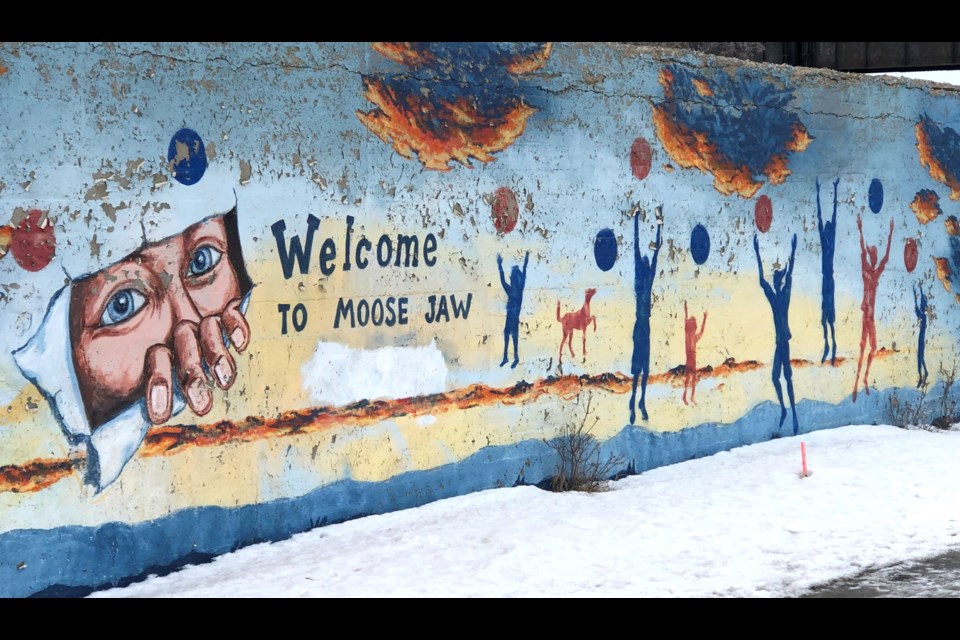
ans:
(910, 254)
(33, 243)
(504, 210)
(763, 213)
(641, 157)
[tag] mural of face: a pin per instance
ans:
(164, 308)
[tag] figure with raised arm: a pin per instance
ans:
(828, 237)
(692, 338)
(644, 271)
(920, 308)
(779, 298)
(514, 290)
(871, 272)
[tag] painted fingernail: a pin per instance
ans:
(224, 371)
(237, 337)
(159, 394)
(199, 396)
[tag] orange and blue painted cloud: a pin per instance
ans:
(455, 101)
(736, 128)
(948, 268)
(939, 150)
(953, 225)
(926, 206)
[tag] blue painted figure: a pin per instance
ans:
(828, 237)
(779, 298)
(920, 308)
(644, 271)
(511, 327)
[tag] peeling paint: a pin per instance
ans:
(97, 192)
(111, 211)
(133, 167)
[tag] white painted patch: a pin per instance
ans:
(426, 421)
(337, 374)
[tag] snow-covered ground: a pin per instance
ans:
(739, 523)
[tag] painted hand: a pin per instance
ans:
(198, 352)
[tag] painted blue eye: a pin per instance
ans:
(203, 260)
(122, 306)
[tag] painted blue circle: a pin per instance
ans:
(605, 249)
(188, 157)
(700, 244)
(876, 195)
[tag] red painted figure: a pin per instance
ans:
(692, 338)
(871, 278)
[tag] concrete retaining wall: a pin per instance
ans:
(248, 289)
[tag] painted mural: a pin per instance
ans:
(250, 289)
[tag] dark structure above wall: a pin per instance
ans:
(744, 50)
(865, 56)
(840, 56)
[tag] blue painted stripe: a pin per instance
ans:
(75, 560)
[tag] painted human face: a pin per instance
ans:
(119, 313)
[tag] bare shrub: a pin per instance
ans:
(944, 415)
(948, 401)
(903, 413)
(582, 466)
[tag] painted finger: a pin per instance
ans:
(236, 326)
(158, 372)
(214, 352)
(189, 366)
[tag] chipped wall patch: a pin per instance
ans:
(337, 374)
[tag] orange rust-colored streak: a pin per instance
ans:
(402, 122)
(35, 475)
(675, 376)
(926, 206)
(944, 272)
(532, 62)
(3, 70)
(172, 439)
(929, 161)
(168, 439)
(404, 53)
